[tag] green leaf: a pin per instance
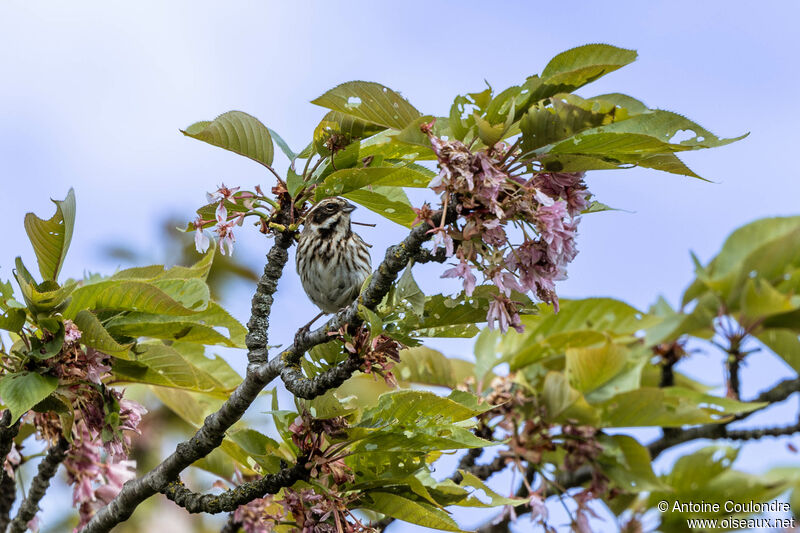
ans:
(486, 353)
(294, 182)
(407, 290)
(389, 202)
(785, 343)
(12, 320)
(45, 347)
(579, 323)
(202, 327)
(669, 407)
(584, 64)
(168, 297)
(623, 101)
(282, 145)
(411, 407)
(45, 298)
(632, 468)
(93, 334)
(701, 466)
(470, 480)
(343, 181)
(588, 368)
(564, 402)
(51, 238)
(371, 102)
(237, 132)
(454, 316)
(568, 115)
(21, 391)
(767, 247)
(430, 367)
(414, 511)
(338, 130)
(158, 364)
(372, 319)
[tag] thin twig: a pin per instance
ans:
(47, 469)
(230, 500)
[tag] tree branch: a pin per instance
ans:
(230, 500)
(778, 393)
(8, 492)
(231, 526)
(210, 435)
(47, 469)
(257, 327)
(8, 432)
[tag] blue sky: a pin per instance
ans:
(93, 94)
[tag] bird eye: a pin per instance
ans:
(330, 207)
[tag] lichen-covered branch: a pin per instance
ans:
(259, 374)
(231, 526)
(47, 469)
(258, 325)
(8, 432)
(8, 492)
(229, 500)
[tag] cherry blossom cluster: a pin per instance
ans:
(318, 513)
(491, 198)
(232, 206)
(378, 354)
(312, 436)
(320, 509)
(530, 435)
(97, 461)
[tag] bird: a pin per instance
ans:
(332, 260)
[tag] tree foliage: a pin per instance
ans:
(552, 393)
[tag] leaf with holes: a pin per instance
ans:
(371, 102)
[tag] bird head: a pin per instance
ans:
(330, 214)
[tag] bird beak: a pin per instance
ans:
(349, 208)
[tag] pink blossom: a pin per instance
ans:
(130, 414)
(13, 459)
(442, 238)
(463, 271)
(506, 283)
(221, 212)
(222, 193)
(493, 233)
(96, 369)
(117, 473)
(504, 312)
(226, 237)
(568, 186)
(71, 332)
(201, 241)
(255, 518)
(538, 507)
(559, 235)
